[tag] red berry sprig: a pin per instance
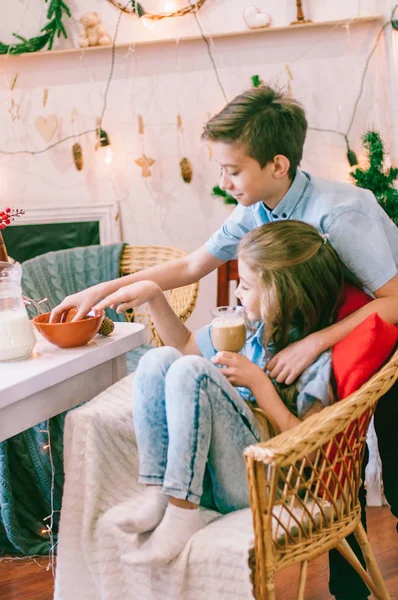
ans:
(8, 215)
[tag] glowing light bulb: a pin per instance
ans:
(103, 146)
(108, 155)
(148, 24)
(170, 6)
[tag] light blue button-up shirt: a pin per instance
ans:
(360, 231)
(312, 385)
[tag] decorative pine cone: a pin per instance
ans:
(186, 170)
(77, 153)
(107, 327)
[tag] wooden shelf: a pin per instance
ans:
(214, 36)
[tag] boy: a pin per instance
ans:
(257, 140)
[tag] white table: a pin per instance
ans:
(52, 380)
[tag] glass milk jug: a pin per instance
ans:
(17, 338)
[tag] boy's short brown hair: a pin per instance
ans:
(266, 121)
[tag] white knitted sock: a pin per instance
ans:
(149, 512)
(169, 538)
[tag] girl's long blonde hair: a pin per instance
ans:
(301, 281)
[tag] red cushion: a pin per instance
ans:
(355, 359)
(351, 300)
(359, 355)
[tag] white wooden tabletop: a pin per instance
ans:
(49, 365)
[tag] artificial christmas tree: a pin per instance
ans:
(376, 177)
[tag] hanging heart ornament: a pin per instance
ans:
(46, 126)
(254, 18)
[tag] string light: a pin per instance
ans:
(108, 156)
(209, 51)
(194, 7)
(49, 526)
(104, 144)
(103, 141)
(104, 107)
(147, 23)
(136, 8)
(351, 156)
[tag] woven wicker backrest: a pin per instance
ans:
(304, 483)
(182, 300)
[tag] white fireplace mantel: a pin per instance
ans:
(107, 216)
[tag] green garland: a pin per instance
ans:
(54, 28)
(376, 178)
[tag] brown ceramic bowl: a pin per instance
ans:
(69, 335)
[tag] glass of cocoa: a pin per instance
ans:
(228, 329)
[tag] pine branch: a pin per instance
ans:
(55, 27)
(32, 45)
(217, 191)
(376, 178)
(256, 80)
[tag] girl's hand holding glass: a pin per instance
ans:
(239, 370)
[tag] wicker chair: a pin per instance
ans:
(182, 300)
(303, 487)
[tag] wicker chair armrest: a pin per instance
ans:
(182, 300)
(310, 435)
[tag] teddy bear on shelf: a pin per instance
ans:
(93, 33)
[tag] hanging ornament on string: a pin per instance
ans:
(45, 97)
(46, 126)
(77, 153)
(185, 164)
(103, 143)
(14, 81)
(77, 150)
(14, 107)
(186, 169)
(14, 110)
(289, 79)
(145, 162)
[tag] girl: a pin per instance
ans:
(193, 418)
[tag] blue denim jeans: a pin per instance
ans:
(188, 419)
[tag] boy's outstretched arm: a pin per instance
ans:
(288, 364)
(173, 274)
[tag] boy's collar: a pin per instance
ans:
(286, 206)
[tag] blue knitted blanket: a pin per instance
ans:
(25, 469)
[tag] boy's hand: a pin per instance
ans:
(239, 370)
(290, 362)
(130, 296)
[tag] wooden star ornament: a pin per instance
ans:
(14, 110)
(145, 162)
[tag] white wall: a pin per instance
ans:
(158, 81)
